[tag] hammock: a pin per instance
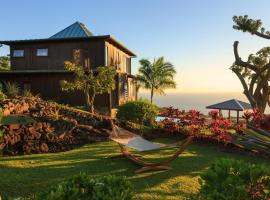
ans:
(125, 139)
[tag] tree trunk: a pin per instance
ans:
(87, 98)
(152, 94)
(110, 104)
(92, 103)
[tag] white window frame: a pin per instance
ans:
(18, 53)
(42, 52)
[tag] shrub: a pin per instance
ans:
(12, 89)
(138, 111)
(84, 187)
(230, 179)
(2, 96)
(27, 93)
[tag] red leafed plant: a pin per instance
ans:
(257, 119)
(193, 123)
(169, 125)
(214, 114)
(219, 128)
(171, 112)
(192, 117)
(247, 116)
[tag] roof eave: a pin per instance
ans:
(119, 44)
(108, 38)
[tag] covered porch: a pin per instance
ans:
(231, 105)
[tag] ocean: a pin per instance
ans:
(198, 101)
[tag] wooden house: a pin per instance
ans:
(38, 64)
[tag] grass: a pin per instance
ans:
(26, 175)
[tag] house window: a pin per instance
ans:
(42, 52)
(18, 53)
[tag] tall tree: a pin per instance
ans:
(156, 76)
(91, 82)
(254, 74)
(4, 63)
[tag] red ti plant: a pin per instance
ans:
(171, 112)
(240, 127)
(256, 118)
(214, 114)
(247, 116)
(170, 125)
(219, 127)
(192, 117)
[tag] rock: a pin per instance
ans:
(44, 147)
(55, 129)
(6, 112)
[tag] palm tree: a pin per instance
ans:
(156, 76)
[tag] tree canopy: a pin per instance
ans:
(254, 73)
(156, 76)
(4, 63)
(91, 82)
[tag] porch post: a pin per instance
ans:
(237, 119)
(220, 113)
(229, 114)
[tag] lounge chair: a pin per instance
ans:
(127, 139)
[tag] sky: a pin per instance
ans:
(196, 36)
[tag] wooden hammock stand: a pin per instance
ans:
(138, 159)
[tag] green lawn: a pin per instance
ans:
(25, 175)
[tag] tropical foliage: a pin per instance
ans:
(4, 63)
(84, 187)
(91, 82)
(254, 74)
(2, 95)
(193, 123)
(139, 111)
(156, 76)
(230, 179)
(12, 89)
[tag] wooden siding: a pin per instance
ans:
(112, 58)
(93, 52)
(48, 86)
(58, 52)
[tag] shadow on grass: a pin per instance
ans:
(25, 175)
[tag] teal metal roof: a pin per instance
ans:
(76, 30)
